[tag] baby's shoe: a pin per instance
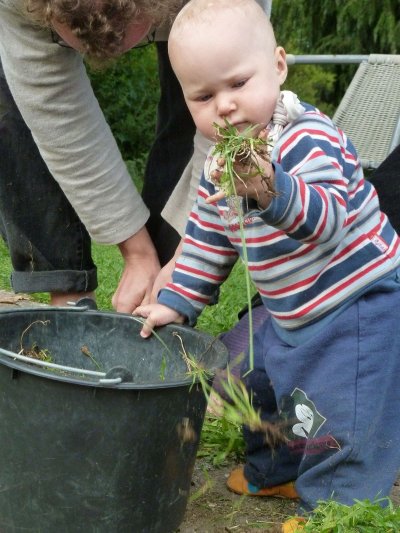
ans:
(237, 483)
(293, 525)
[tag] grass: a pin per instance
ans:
(363, 517)
(215, 319)
(5, 267)
(221, 439)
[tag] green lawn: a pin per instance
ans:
(214, 319)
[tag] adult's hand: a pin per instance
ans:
(140, 271)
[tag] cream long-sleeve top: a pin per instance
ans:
(52, 90)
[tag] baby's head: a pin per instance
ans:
(225, 56)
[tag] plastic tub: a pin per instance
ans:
(109, 443)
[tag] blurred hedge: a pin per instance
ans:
(128, 92)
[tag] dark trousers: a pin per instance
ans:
(49, 246)
(171, 151)
(336, 397)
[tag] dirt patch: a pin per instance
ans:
(10, 300)
(214, 509)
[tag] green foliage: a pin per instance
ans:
(334, 27)
(220, 440)
(5, 267)
(313, 84)
(128, 92)
(362, 517)
(221, 317)
(337, 26)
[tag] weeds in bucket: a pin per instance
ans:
(35, 352)
(43, 354)
(85, 350)
(163, 364)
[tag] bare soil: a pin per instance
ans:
(212, 508)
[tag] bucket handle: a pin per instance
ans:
(102, 375)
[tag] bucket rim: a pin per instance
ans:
(20, 366)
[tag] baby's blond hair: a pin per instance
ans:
(203, 11)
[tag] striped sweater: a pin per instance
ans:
(321, 242)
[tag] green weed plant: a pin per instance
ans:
(365, 516)
(221, 439)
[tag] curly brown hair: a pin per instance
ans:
(100, 25)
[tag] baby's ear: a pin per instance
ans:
(281, 65)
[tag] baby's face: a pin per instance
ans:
(226, 76)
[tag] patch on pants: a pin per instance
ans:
(302, 422)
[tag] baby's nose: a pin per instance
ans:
(225, 106)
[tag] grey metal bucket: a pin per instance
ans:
(108, 444)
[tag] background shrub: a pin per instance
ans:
(128, 92)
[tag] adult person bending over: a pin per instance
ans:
(44, 220)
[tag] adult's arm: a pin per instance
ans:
(180, 203)
(52, 90)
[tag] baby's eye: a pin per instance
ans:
(203, 98)
(239, 84)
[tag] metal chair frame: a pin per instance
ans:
(369, 112)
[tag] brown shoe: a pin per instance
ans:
(293, 525)
(237, 483)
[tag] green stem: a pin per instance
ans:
(248, 284)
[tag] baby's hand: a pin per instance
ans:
(157, 315)
(249, 173)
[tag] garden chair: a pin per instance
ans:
(369, 112)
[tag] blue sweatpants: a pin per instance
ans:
(337, 400)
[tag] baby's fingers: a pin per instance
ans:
(147, 328)
(215, 197)
(149, 322)
(156, 315)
